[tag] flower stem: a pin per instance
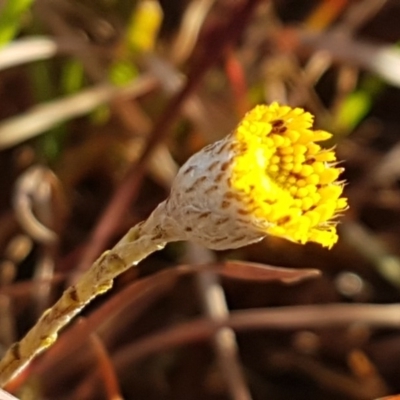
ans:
(140, 241)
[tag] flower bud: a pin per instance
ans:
(268, 177)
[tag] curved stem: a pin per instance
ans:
(142, 240)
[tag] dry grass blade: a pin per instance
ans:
(28, 50)
(264, 273)
(106, 368)
(6, 396)
(190, 28)
(43, 117)
(224, 339)
(305, 317)
(381, 60)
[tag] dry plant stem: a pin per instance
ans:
(134, 300)
(216, 308)
(139, 242)
(224, 340)
(290, 317)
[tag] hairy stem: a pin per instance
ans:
(138, 243)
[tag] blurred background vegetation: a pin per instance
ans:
(101, 101)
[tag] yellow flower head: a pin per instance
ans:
(267, 177)
(285, 181)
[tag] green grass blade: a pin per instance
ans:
(10, 18)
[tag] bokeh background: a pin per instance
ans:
(101, 101)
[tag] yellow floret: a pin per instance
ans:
(289, 180)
